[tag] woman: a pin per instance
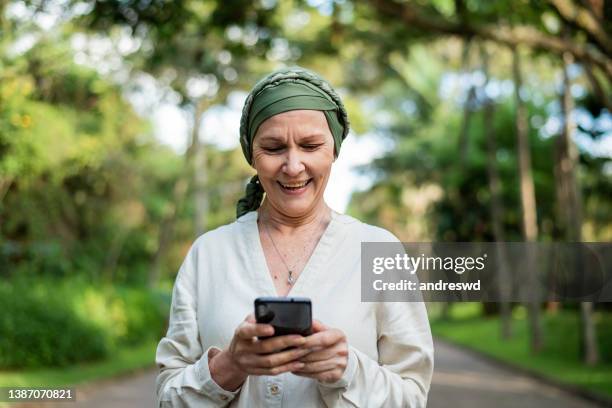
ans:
(360, 354)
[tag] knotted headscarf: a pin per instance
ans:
(281, 91)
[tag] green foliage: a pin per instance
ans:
(79, 181)
(124, 361)
(58, 323)
(146, 315)
(44, 331)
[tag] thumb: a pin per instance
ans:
(250, 318)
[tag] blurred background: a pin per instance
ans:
(470, 121)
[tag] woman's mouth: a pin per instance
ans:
(295, 188)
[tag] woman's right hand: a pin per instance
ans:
(247, 355)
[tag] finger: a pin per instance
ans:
(324, 339)
(320, 366)
(250, 318)
(292, 366)
(247, 331)
(279, 343)
(277, 359)
(325, 354)
(314, 341)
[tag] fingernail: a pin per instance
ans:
(299, 365)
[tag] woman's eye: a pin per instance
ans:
(311, 146)
(273, 149)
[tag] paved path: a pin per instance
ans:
(460, 380)
(137, 391)
(463, 380)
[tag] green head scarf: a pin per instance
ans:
(281, 91)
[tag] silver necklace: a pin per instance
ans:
(290, 278)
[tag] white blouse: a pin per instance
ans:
(390, 360)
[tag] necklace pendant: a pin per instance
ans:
(290, 279)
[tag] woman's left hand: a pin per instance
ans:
(329, 357)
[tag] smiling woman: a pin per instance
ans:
(287, 240)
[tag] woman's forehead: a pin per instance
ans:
(300, 123)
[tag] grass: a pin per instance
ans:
(560, 357)
(124, 361)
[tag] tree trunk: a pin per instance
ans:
(467, 108)
(528, 202)
(590, 348)
(570, 192)
(445, 314)
(463, 139)
(496, 207)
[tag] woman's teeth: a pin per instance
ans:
(295, 186)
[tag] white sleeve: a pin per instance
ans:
(402, 375)
(184, 378)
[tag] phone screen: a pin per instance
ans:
(287, 315)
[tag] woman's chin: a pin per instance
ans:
(294, 207)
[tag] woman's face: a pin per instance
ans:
(293, 153)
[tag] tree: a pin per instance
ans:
(489, 22)
(570, 204)
(496, 205)
(529, 221)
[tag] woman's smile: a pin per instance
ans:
(295, 188)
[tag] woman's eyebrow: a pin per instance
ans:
(271, 138)
(278, 138)
(313, 136)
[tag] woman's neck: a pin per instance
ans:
(286, 225)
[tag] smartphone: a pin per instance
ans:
(288, 315)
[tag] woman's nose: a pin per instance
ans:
(293, 163)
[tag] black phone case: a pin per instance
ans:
(288, 315)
